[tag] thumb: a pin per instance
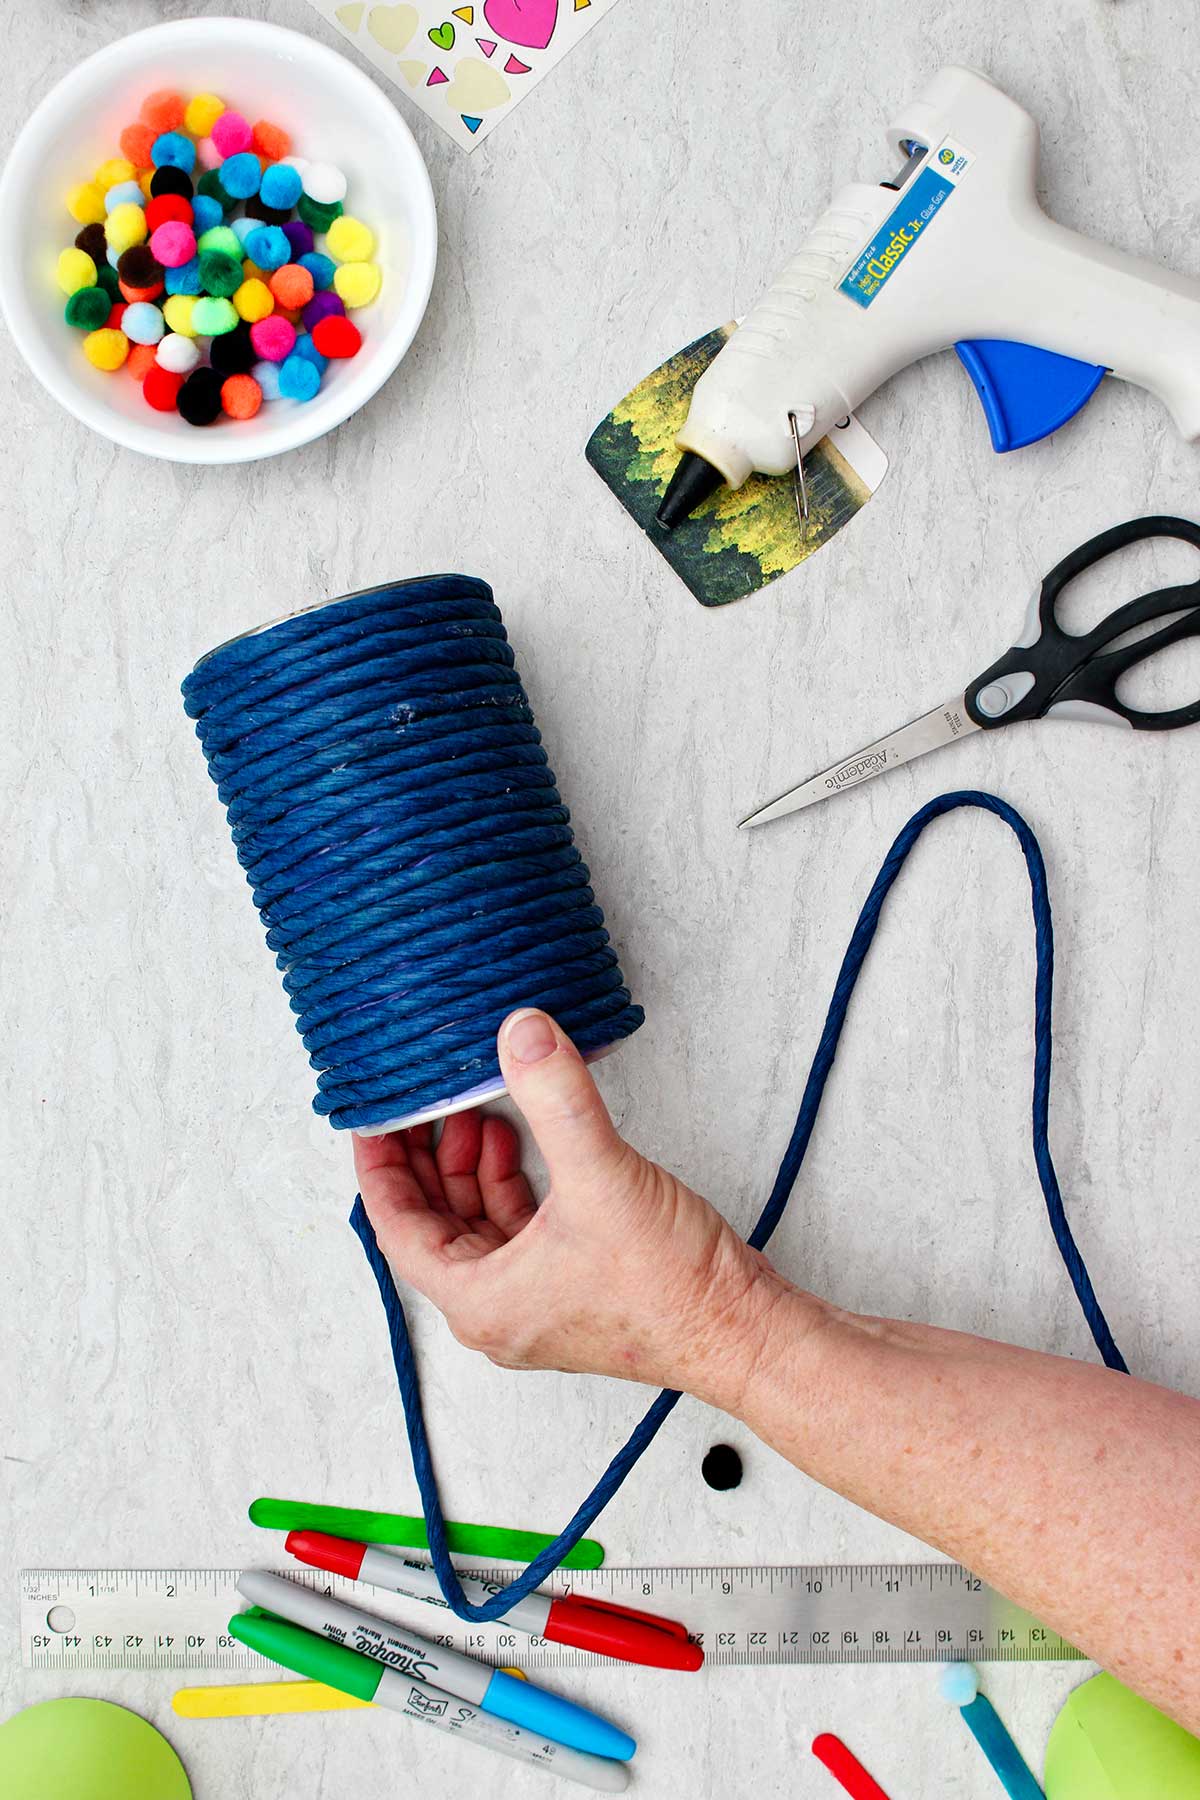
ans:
(550, 1082)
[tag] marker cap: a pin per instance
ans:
(340, 1556)
(308, 1654)
(553, 1717)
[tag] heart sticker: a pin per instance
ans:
(442, 35)
(529, 23)
(392, 27)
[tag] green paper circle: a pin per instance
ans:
(87, 1750)
(1106, 1744)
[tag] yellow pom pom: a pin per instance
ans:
(75, 270)
(117, 168)
(203, 111)
(349, 240)
(125, 226)
(357, 283)
(254, 300)
(252, 272)
(106, 349)
(178, 314)
(85, 204)
(144, 180)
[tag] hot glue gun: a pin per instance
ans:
(954, 250)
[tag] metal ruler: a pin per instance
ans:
(813, 1613)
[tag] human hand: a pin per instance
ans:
(622, 1269)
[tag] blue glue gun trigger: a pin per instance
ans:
(1026, 393)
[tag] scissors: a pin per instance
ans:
(1048, 673)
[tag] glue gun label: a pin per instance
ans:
(917, 208)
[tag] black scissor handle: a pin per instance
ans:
(1073, 666)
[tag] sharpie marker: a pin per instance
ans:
(598, 1625)
(520, 1702)
(340, 1668)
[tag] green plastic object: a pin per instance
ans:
(307, 1654)
(87, 1750)
(491, 1543)
(1106, 1744)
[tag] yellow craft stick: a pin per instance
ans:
(257, 1699)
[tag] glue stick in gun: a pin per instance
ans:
(953, 250)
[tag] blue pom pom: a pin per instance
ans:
(185, 279)
(267, 376)
(268, 247)
(173, 150)
(242, 228)
(959, 1683)
(206, 212)
(281, 186)
(125, 192)
(298, 378)
(240, 175)
(305, 347)
(320, 267)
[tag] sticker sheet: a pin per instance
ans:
(739, 541)
(466, 66)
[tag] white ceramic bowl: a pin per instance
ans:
(334, 113)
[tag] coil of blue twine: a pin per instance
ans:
(385, 781)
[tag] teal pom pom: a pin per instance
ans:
(959, 1683)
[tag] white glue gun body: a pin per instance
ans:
(955, 251)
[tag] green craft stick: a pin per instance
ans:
(491, 1542)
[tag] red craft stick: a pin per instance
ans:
(846, 1768)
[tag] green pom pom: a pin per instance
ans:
(212, 318)
(88, 309)
(220, 273)
(220, 237)
(210, 184)
(106, 278)
(317, 214)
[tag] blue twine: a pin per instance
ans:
(410, 856)
(648, 1427)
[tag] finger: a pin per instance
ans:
(506, 1196)
(419, 1144)
(457, 1159)
(549, 1081)
(412, 1235)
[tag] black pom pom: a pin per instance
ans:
(106, 277)
(93, 240)
(170, 181)
(256, 208)
(138, 267)
(200, 396)
(232, 353)
(722, 1467)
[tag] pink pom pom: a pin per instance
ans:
(273, 338)
(207, 154)
(231, 134)
(174, 243)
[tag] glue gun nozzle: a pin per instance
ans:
(692, 483)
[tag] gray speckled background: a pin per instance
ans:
(185, 1318)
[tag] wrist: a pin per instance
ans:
(753, 1324)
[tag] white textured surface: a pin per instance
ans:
(186, 1320)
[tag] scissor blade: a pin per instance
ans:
(929, 732)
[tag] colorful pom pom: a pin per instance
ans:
(231, 133)
(306, 347)
(337, 337)
(272, 338)
(92, 241)
(180, 354)
(318, 216)
(174, 244)
(185, 279)
(280, 186)
(212, 316)
(116, 313)
(200, 397)
(268, 247)
(135, 142)
(168, 209)
(300, 237)
(322, 306)
(140, 360)
(241, 228)
(178, 314)
(85, 203)
(74, 270)
(349, 240)
(325, 183)
(170, 180)
(87, 309)
(271, 141)
(220, 273)
(107, 278)
(292, 287)
(241, 174)
(234, 353)
(106, 349)
(206, 213)
(143, 323)
(321, 268)
(267, 376)
(208, 157)
(117, 168)
(161, 388)
(257, 208)
(138, 268)
(162, 110)
(241, 396)
(357, 283)
(253, 300)
(124, 193)
(201, 114)
(125, 226)
(210, 185)
(299, 378)
(174, 150)
(222, 238)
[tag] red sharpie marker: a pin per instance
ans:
(584, 1624)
